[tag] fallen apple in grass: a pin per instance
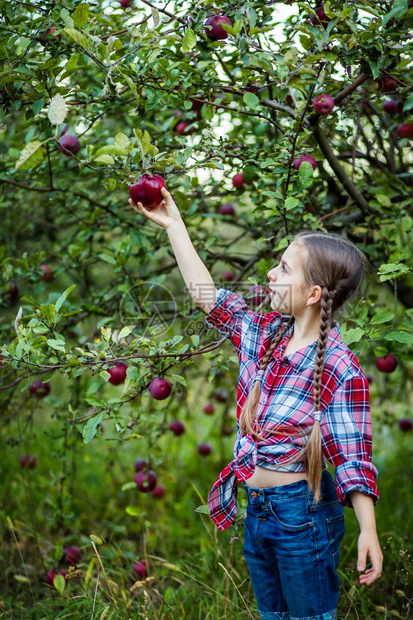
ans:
(140, 569)
(73, 555)
(147, 190)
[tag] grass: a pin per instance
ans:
(79, 495)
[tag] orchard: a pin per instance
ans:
(117, 400)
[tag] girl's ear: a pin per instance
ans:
(315, 295)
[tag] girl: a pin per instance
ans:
(302, 397)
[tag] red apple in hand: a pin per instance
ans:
(39, 389)
(118, 373)
(177, 427)
(160, 388)
(297, 162)
(320, 17)
(323, 104)
(68, 144)
(259, 294)
(405, 130)
(145, 481)
(387, 363)
(147, 190)
(238, 181)
(213, 26)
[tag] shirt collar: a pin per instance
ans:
(305, 357)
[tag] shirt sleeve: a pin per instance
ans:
(243, 327)
(347, 442)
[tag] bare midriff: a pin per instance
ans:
(263, 477)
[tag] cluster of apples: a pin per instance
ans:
(146, 479)
(393, 107)
(73, 555)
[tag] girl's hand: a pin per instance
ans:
(368, 546)
(166, 214)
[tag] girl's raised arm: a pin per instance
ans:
(197, 278)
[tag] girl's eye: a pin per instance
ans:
(283, 268)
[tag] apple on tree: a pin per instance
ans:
(213, 26)
(204, 449)
(141, 464)
(159, 492)
(238, 181)
(405, 130)
(147, 190)
(220, 395)
(209, 408)
(68, 144)
(39, 389)
(125, 3)
(12, 294)
(28, 460)
(387, 363)
(118, 373)
(323, 104)
(393, 107)
(160, 388)
(320, 17)
(47, 273)
(297, 162)
(183, 128)
(387, 84)
(227, 209)
(177, 427)
(145, 481)
(406, 425)
(228, 276)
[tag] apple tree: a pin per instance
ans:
(262, 118)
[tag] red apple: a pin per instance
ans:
(204, 449)
(320, 17)
(227, 209)
(177, 427)
(197, 104)
(159, 492)
(182, 128)
(145, 481)
(297, 162)
(369, 378)
(323, 104)
(221, 395)
(118, 373)
(28, 460)
(387, 84)
(73, 555)
(228, 430)
(141, 569)
(238, 181)
(387, 363)
(68, 144)
(213, 26)
(52, 31)
(228, 276)
(140, 464)
(147, 190)
(51, 574)
(406, 424)
(125, 3)
(393, 107)
(209, 408)
(259, 294)
(47, 275)
(405, 130)
(40, 389)
(160, 388)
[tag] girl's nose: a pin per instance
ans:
(272, 275)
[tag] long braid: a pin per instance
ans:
(313, 448)
(249, 411)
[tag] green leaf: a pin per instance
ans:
(399, 336)
(57, 110)
(59, 583)
(179, 379)
(105, 159)
(31, 155)
(110, 149)
(353, 335)
(81, 15)
(63, 297)
(126, 331)
(76, 36)
(202, 509)
(58, 345)
(290, 203)
(189, 40)
(128, 485)
(399, 8)
(251, 100)
(382, 317)
(30, 301)
(95, 402)
(71, 64)
(90, 428)
(133, 511)
(305, 174)
(65, 15)
(392, 270)
(122, 141)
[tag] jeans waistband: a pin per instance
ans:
(286, 491)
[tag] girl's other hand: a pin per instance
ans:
(166, 214)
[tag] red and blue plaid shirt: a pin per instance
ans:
(286, 404)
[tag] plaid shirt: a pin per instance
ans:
(286, 404)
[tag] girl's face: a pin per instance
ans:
(289, 289)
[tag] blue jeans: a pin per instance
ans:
(292, 548)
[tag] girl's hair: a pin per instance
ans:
(335, 264)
